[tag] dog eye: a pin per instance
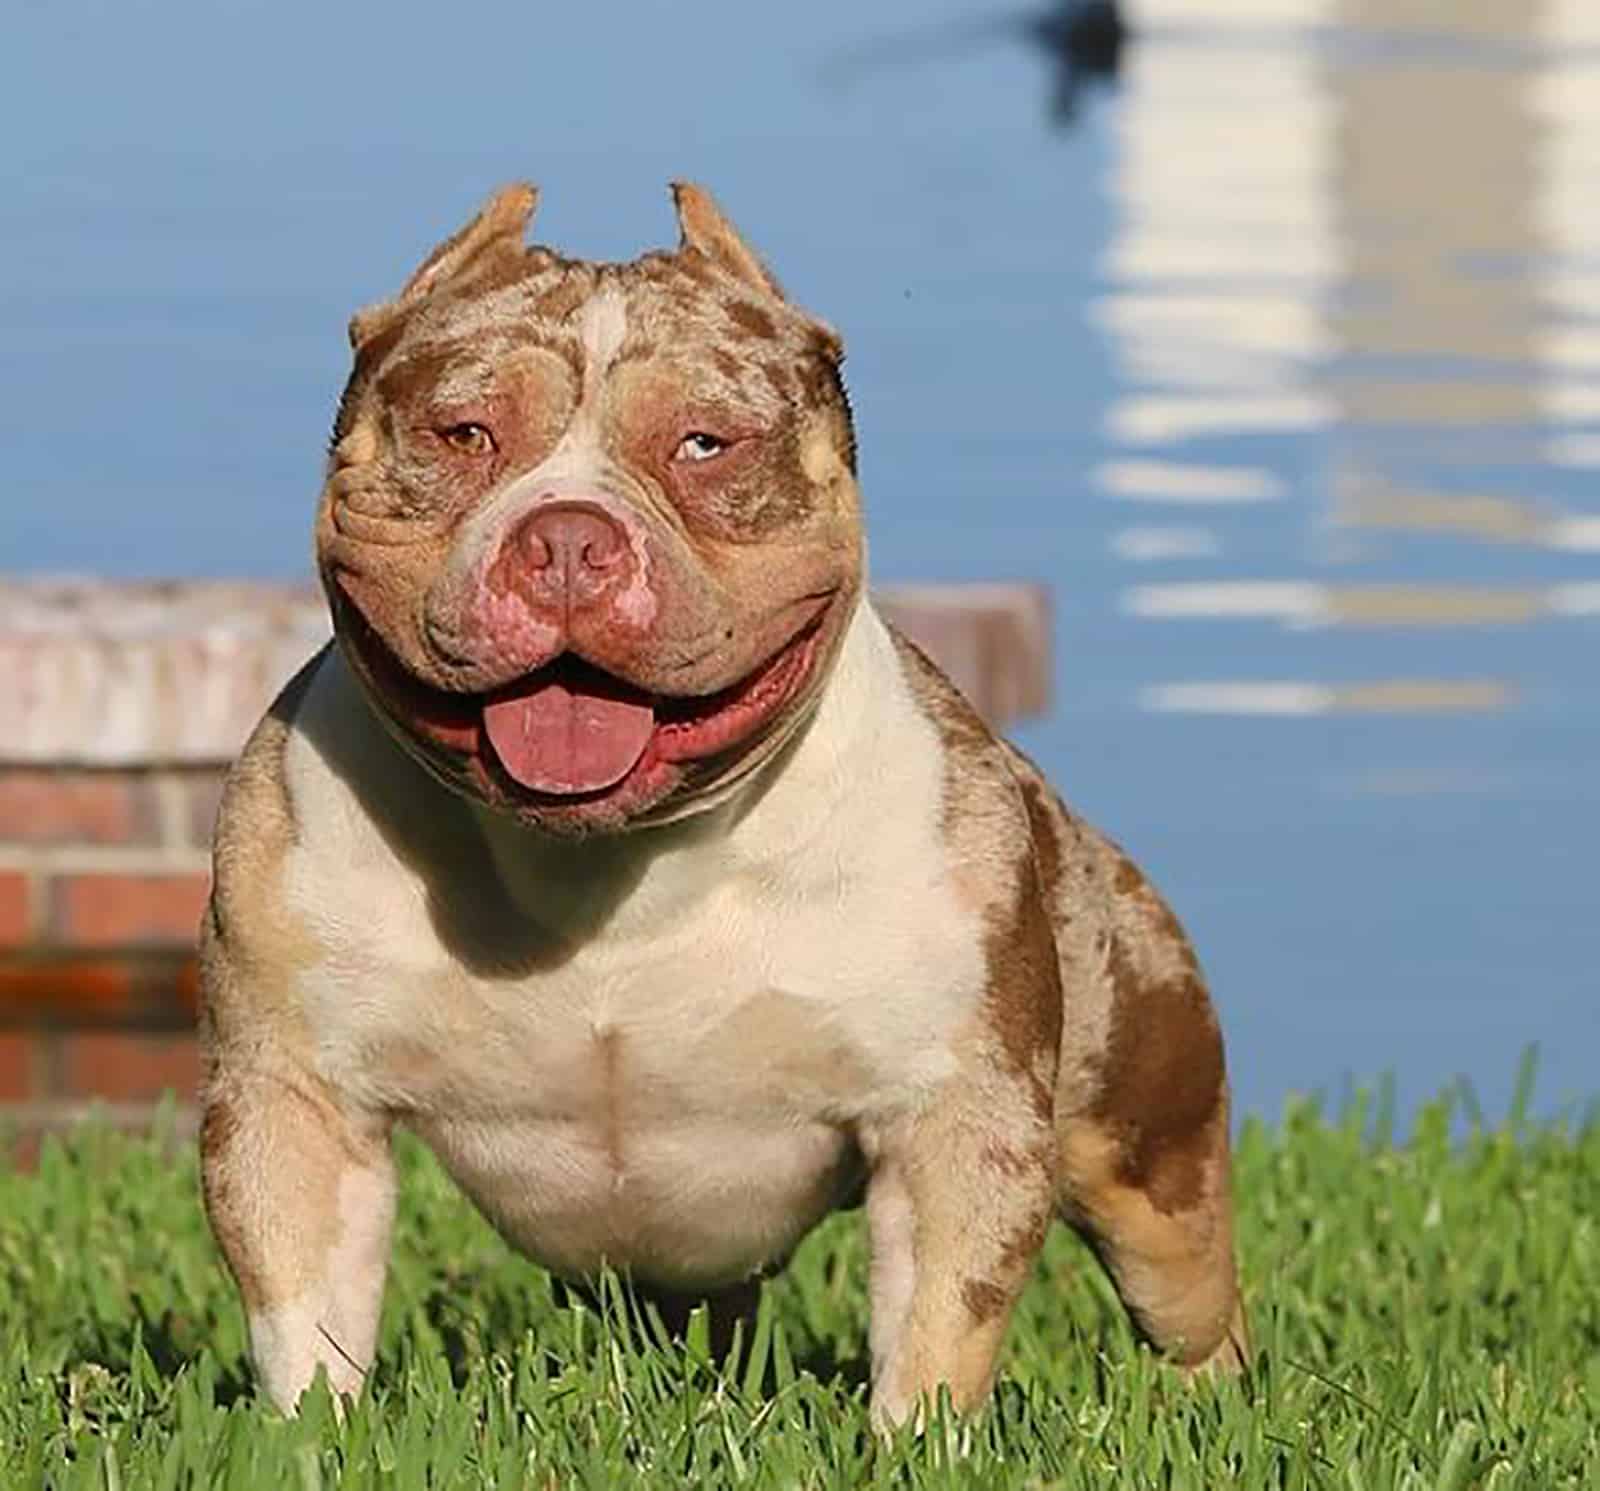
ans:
(468, 438)
(697, 445)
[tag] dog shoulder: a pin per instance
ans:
(988, 840)
(981, 806)
(248, 925)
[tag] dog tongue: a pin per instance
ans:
(569, 735)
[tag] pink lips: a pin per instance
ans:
(572, 728)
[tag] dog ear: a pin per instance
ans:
(502, 223)
(705, 230)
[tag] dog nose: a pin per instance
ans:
(574, 542)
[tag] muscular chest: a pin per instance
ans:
(671, 1073)
(685, 1107)
(782, 1013)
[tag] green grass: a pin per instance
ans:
(1427, 1316)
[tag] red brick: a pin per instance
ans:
(79, 989)
(75, 807)
(126, 1067)
(145, 990)
(16, 1066)
(186, 987)
(14, 915)
(111, 910)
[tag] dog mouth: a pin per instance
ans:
(571, 732)
(570, 728)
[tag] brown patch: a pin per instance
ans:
(751, 319)
(509, 265)
(407, 379)
(726, 363)
(1006, 1158)
(565, 295)
(981, 812)
(372, 352)
(1173, 1271)
(1047, 837)
(1169, 928)
(757, 490)
(1164, 1080)
(656, 266)
(780, 378)
(699, 269)
(1023, 1003)
(1022, 1247)
(984, 1299)
(219, 1127)
(1042, 1097)
(1127, 881)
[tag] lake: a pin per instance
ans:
(1277, 356)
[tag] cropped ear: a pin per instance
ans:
(501, 224)
(705, 230)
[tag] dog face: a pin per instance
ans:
(591, 532)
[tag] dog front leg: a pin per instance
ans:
(300, 1193)
(957, 1208)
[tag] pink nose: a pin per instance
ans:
(574, 536)
(573, 549)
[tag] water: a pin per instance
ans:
(1280, 360)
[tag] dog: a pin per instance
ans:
(621, 850)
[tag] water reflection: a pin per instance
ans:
(1367, 227)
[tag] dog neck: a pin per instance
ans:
(652, 876)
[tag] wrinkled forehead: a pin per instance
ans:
(675, 309)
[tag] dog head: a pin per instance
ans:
(591, 533)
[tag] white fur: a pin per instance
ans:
(681, 1093)
(333, 1323)
(602, 328)
(893, 1235)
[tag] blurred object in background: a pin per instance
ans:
(1081, 40)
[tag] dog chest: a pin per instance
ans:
(677, 1085)
(793, 1018)
(686, 1107)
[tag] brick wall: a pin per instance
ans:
(103, 874)
(124, 704)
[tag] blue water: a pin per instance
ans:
(1309, 296)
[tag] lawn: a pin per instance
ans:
(1427, 1315)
